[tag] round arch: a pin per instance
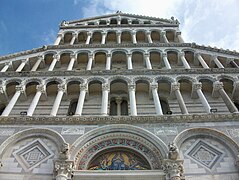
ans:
(85, 148)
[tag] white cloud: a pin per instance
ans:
(49, 37)
(211, 22)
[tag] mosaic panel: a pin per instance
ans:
(204, 154)
(33, 154)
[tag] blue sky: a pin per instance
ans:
(28, 24)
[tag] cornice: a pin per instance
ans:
(182, 71)
(138, 45)
(93, 120)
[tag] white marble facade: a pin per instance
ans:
(124, 91)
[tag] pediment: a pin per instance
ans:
(101, 20)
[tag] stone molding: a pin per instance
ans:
(71, 120)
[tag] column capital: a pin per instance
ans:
(163, 32)
(108, 55)
(41, 88)
(91, 55)
(40, 57)
(89, 33)
(63, 169)
(164, 54)
(8, 63)
(236, 84)
(84, 87)
(217, 86)
(154, 85)
(105, 87)
(56, 56)
(175, 86)
(131, 87)
(73, 56)
(118, 32)
(178, 32)
(133, 32)
(181, 54)
(173, 168)
(74, 34)
(148, 32)
(214, 57)
(146, 55)
(61, 87)
(129, 54)
(20, 88)
(104, 33)
(196, 86)
(118, 100)
(2, 89)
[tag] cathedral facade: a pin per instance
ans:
(120, 96)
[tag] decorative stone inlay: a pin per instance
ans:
(164, 131)
(118, 140)
(73, 130)
(204, 154)
(33, 154)
(233, 132)
(6, 131)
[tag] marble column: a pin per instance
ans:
(103, 37)
(81, 99)
(58, 39)
(129, 61)
(105, 96)
(19, 90)
(176, 89)
(63, 169)
(184, 61)
(233, 63)
(149, 37)
(90, 62)
(166, 62)
(198, 88)
(235, 91)
(108, 61)
(147, 61)
(118, 34)
(22, 65)
(180, 39)
(57, 102)
(37, 63)
(40, 89)
(218, 86)
(54, 61)
(157, 103)
(217, 62)
(173, 169)
(164, 37)
(132, 99)
(7, 65)
(118, 101)
(134, 37)
(74, 36)
(72, 62)
(201, 61)
(89, 35)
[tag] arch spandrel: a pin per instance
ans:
(125, 137)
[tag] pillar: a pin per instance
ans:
(235, 91)
(129, 61)
(217, 62)
(233, 63)
(105, 95)
(74, 36)
(72, 62)
(81, 99)
(118, 101)
(176, 89)
(7, 65)
(57, 102)
(166, 62)
(201, 60)
(37, 63)
(108, 62)
(180, 39)
(90, 61)
(54, 61)
(40, 89)
(147, 61)
(118, 34)
(218, 86)
(134, 37)
(132, 99)
(198, 88)
(22, 65)
(58, 39)
(19, 90)
(149, 37)
(89, 34)
(103, 37)
(164, 37)
(157, 103)
(184, 61)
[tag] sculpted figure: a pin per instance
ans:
(173, 153)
